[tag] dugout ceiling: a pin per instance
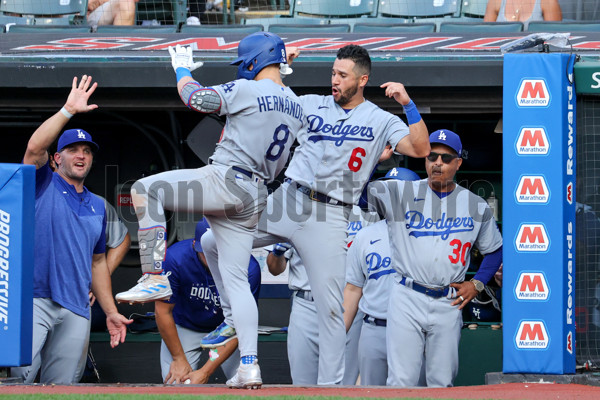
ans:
(443, 73)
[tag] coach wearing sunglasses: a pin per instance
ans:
(433, 226)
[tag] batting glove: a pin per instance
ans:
(182, 61)
(280, 248)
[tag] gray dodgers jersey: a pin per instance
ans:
(369, 266)
(337, 150)
(263, 119)
(431, 238)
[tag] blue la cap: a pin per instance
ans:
(201, 228)
(71, 136)
(448, 138)
(402, 174)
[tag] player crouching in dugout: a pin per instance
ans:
(433, 225)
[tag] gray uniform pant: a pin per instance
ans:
(318, 232)
(303, 344)
(190, 341)
(60, 342)
(231, 203)
(418, 324)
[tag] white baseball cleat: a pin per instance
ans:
(150, 287)
(247, 377)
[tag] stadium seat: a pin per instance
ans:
(45, 29)
(2, 28)
(580, 10)
(266, 22)
(247, 29)
(47, 12)
(413, 9)
(287, 28)
(473, 8)
(558, 26)
(165, 12)
(480, 27)
(130, 29)
(333, 8)
(392, 28)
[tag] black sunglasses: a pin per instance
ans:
(446, 157)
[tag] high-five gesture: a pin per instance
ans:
(77, 102)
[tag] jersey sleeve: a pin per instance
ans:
(254, 277)
(43, 176)
(489, 238)
(100, 247)
(235, 96)
(354, 273)
(170, 265)
(396, 130)
(115, 228)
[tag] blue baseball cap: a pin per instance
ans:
(71, 136)
(402, 174)
(201, 228)
(448, 138)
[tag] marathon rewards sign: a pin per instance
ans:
(539, 214)
(17, 209)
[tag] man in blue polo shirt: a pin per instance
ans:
(69, 257)
(193, 310)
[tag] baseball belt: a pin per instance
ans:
(241, 170)
(374, 321)
(320, 197)
(436, 293)
(304, 294)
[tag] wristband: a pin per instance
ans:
(278, 252)
(66, 113)
(412, 114)
(181, 72)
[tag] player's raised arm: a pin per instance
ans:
(417, 143)
(77, 102)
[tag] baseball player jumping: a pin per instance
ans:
(433, 225)
(263, 118)
(338, 148)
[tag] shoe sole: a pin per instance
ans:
(249, 386)
(215, 345)
(148, 300)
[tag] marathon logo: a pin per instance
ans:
(533, 189)
(532, 286)
(569, 193)
(533, 141)
(570, 342)
(533, 93)
(4, 265)
(124, 200)
(532, 335)
(532, 238)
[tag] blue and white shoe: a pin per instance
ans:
(221, 335)
(150, 287)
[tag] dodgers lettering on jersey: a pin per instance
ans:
(432, 238)
(337, 150)
(263, 119)
(369, 266)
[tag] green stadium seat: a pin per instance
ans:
(130, 29)
(247, 29)
(480, 27)
(392, 28)
(288, 28)
(45, 29)
(165, 12)
(333, 8)
(563, 26)
(580, 10)
(473, 8)
(47, 12)
(412, 9)
(11, 20)
(266, 22)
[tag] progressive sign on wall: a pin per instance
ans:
(539, 214)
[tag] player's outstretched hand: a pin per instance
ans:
(178, 371)
(181, 57)
(397, 91)
(465, 292)
(77, 102)
(117, 328)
